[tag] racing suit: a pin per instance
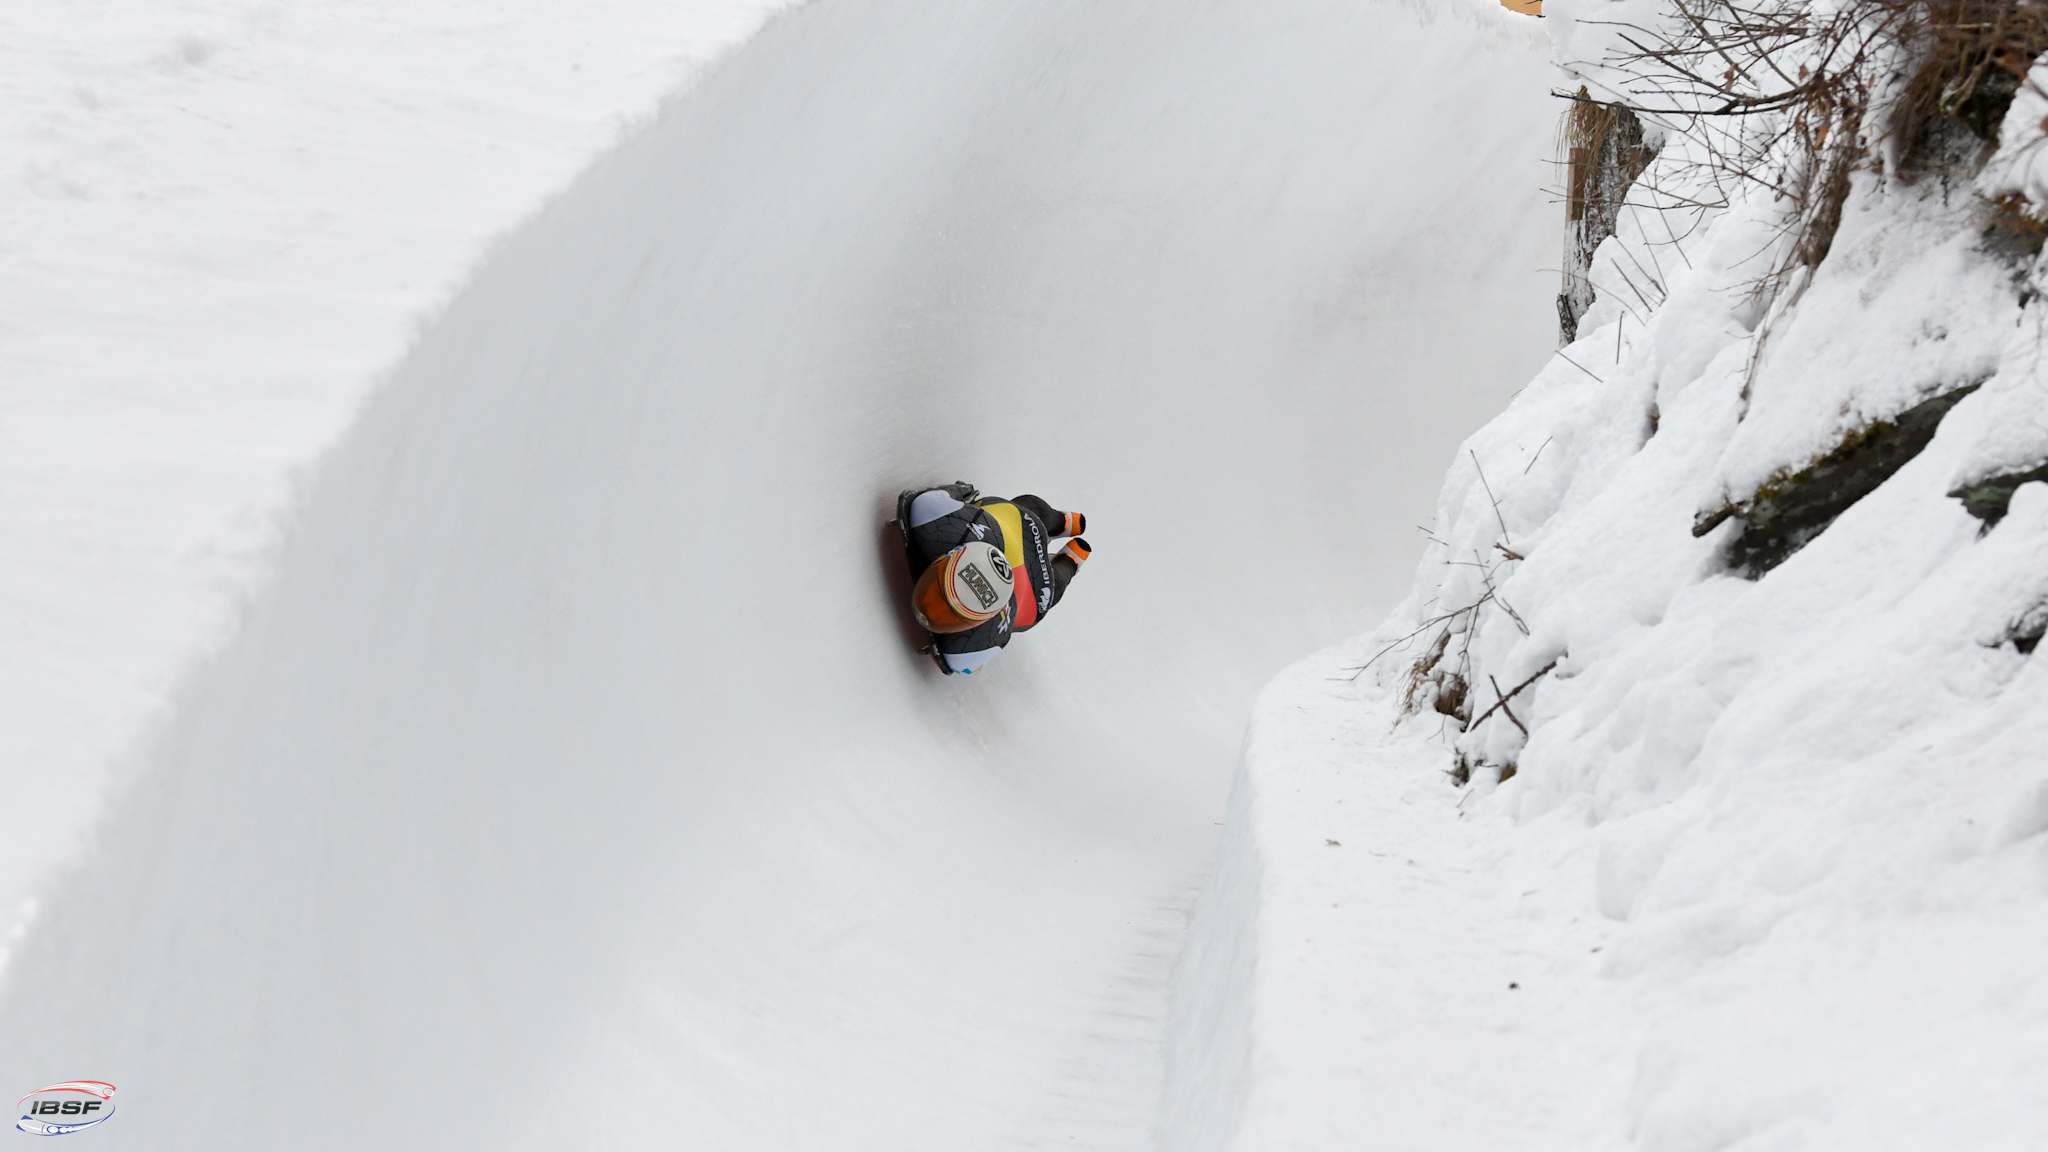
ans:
(941, 519)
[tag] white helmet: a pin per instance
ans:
(963, 589)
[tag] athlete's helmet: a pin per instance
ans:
(966, 587)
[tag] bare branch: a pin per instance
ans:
(1502, 698)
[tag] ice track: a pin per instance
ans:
(572, 786)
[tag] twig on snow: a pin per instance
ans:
(1491, 498)
(1506, 711)
(1581, 367)
(1504, 697)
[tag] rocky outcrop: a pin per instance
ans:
(1604, 153)
(1988, 498)
(1793, 507)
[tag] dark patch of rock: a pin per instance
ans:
(1987, 499)
(1792, 508)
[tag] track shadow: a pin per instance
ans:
(897, 576)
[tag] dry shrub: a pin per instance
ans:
(1794, 99)
(1972, 58)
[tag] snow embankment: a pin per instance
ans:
(572, 784)
(1752, 854)
(222, 223)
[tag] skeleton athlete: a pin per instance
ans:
(986, 567)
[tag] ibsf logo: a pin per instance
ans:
(66, 1107)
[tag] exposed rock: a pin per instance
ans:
(2013, 234)
(1987, 499)
(1792, 508)
(1604, 153)
(1982, 108)
(1974, 56)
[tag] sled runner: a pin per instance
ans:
(916, 563)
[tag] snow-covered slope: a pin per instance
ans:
(218, 224)
(1752, 856)
(573, 785)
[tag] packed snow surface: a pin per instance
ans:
(571, 782)
(222, 221)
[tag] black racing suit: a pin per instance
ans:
(942, 519)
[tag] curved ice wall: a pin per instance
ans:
(573, 786)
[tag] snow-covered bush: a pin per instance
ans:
(1802, 284)
(1728, 627)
